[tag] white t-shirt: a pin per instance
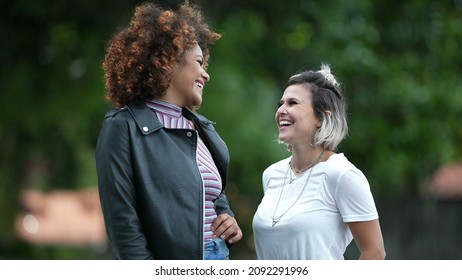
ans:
(316, 226)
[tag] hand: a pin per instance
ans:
(226, 228)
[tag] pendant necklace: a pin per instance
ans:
(296, 172)
(276, 220)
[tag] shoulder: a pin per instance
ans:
(134, 116)
(116, 117)
(279, 167)
(113, 113)
(281, 164)
(338, 166)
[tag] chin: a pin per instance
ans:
(282, 138)
(197, 102)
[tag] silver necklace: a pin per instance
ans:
(297, 172)
(276, 220)
(292, 179)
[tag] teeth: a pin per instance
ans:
(199, 85)
(281, 123)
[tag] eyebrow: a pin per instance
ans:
(289, 99)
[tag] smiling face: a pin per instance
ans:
(295, 116)
(188, 80)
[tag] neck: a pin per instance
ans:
(172, 97)
(302, 160)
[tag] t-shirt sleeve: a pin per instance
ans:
(354, 198)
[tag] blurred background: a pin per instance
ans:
(399, 63)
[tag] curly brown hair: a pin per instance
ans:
(139, 58)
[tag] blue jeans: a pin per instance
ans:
(216, 250)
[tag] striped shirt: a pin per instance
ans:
(170, 116)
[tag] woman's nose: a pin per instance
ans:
(206, 76)
(281, 110)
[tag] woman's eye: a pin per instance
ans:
(292, 102)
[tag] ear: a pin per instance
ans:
(328, 114)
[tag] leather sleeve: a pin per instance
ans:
(222, 205)
(117, 191)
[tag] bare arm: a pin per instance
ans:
(368, 238)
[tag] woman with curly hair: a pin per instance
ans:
(161, 166)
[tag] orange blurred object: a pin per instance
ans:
(446, 182)
(61, 217)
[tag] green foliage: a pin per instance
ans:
(398, 63)
(52, 97)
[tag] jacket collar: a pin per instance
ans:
(145, 119)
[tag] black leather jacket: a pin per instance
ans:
(150, 187)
